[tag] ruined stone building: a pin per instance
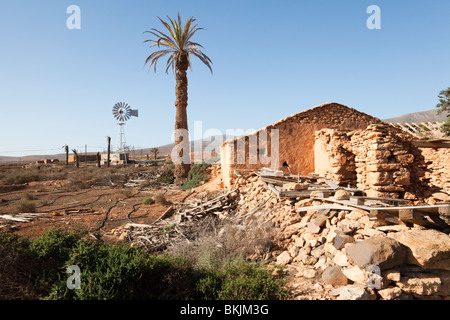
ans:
(348, 146)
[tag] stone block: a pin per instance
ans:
(429, 249)
(334, 276)
(378, 251)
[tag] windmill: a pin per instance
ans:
(123, 112)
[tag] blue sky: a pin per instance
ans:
(270, 59)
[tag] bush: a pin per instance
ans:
(160, 198)
(122, 272)
(22, 176)
(25, 206)
(56, 245)
(148, 201)
(240, 280)
(19, 177)
(196, 175)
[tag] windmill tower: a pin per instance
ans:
(122, 112)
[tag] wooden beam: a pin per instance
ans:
(274, 190)
(324, 207)
(431, 144)
(409, 215)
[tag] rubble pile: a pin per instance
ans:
(181, 222)
(333, 253)
(330, 242)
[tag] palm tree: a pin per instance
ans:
(66, 148)
(77, 160)
(176, 42)
(155, 152)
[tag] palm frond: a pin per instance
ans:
(176, 40)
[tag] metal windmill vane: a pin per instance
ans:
(123, 112)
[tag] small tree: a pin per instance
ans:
(155, 152)
(444, 106)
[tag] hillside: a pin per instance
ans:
(164, 150)
(423, 116)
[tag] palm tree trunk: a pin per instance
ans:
(108, 160)
(77, 161)
(98, 160)
(67, 154)
(182, 146)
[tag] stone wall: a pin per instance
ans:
(296, 138)
(383, 162)
(333, 157)
(437, 171)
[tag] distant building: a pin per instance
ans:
(83, 157)
(115, 158)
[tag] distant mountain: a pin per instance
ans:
(209, 141)
(423, 116)
(32, 158)
(164, 150)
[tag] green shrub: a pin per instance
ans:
(56, 244)
(196, 175)
(122, 272)
(13, 243)
(148, 201)
(241, 280)
(108, 272)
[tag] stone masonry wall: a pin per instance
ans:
(297, 138)
(333, 158)
(385, 162)
(437, 171)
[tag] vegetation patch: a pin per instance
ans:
(148, 201)
(36, 269)
(196, 176)
(25, 206)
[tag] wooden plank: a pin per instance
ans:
(429, 209)
(294, 194)
(384, 217)
(324, 194)
(324, 207)
(431, 144)
(332, 184)
(346, 203)
(409, 215)
(274, 190)
(357, 200)
(444, 210)
(380, 199)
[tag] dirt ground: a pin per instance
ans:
(94, 208)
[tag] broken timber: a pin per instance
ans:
(427, 216)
